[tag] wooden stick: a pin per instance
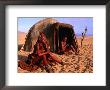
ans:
(83, 36)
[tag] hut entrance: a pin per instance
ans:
(59, 34)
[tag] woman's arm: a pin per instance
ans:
(39, 53)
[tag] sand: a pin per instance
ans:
(82, 63)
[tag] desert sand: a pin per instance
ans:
(82, 63)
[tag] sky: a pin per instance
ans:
(79, 23)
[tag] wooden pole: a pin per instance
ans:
(83, 36)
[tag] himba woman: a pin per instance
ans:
(42, 54)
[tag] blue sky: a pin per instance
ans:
(79, 24)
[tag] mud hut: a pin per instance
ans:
(54, 32)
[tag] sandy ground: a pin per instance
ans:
(82, 63)
(21, 37)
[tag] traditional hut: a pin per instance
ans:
(33, 33)
(54, 31)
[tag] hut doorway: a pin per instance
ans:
(60, 33)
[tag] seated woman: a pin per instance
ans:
(62, 46)
(41, 53)
(67, 45)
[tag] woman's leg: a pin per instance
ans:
(47, 66)
(55, 58)
(45, 60)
